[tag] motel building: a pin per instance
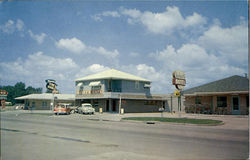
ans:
(226, 96)
(43, 101)
(113, 91)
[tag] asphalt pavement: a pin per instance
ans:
(104, 136)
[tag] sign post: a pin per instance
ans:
(120, 103)
(3, 97)
(51, 85)
(179, 81)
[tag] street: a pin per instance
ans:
(33, 136)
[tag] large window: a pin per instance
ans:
(247, 101)
(44, 104)
(197, 100)
(136, 84)
(221, 101)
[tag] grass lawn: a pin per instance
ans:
(176, 120)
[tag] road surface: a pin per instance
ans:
(28, 137)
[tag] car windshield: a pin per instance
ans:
(87, 106)
(62, 106)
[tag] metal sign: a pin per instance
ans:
(51, 84)
(50, 81)
(179, 79)
(177, 93)
(3, 92)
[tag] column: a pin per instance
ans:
(214, 103)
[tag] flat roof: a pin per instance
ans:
(47, 96)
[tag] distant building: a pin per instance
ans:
(43, 101)
(111, 88)
(225, 96)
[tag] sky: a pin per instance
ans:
(66, 40)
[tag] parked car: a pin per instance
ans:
(62, 109)
(86, 108)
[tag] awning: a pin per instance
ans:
(96, 83)
(147, 86)
(79, 84)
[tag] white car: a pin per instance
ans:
(86, 108)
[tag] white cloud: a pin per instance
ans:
(103, 51)
(11, 26)
(37, 67)
(165, 22)
(38, 38)
(199, 66)
(92, 69)
(95, 68)
(111, 13)
(8, 27)
(98, 17)
(20, 25)
(231, 44)
(75, 45)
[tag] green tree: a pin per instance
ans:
(19, 90)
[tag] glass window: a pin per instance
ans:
(221, 101)
(44, 104)
(109, 85)
(247, 101)
(197, 100)
(137, 84)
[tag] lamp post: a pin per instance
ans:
(120, 103)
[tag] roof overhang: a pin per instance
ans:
(216, 93)
(95, 83)
(79, 84)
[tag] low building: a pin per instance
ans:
(43, 101)
(225, 96)
(112, 90)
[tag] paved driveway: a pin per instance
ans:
(104, 136)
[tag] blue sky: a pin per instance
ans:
(71, 39)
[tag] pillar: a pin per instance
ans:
(214, 103)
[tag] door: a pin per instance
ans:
(114, 106)
(107, 105)
(235, 104)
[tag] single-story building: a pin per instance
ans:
(45, 101)
(226, 96)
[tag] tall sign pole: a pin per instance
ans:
(51, 85)
(179, 81)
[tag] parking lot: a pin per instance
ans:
(104, 136)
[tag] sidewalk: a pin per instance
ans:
(239, 122)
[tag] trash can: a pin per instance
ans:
(100, 110)
(122, 110)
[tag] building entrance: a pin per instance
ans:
(114, 106)
(107, 105)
